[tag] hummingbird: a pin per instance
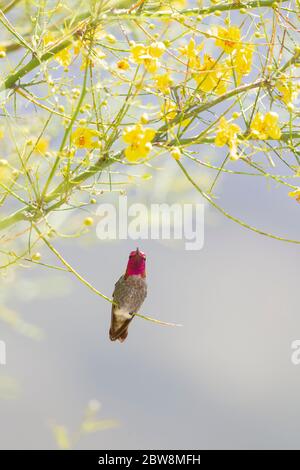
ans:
(128, 296)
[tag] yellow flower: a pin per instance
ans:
(163, 83)
(227, 135)
(64, 57)
(295, 194)
(139, 140)
(263, 127)
(83, 137)
(168, 110)
(42, 146)
(147, 55)
(1, 133)
(288, 89)
(228, 39)
(191, 52)
(242, 61)
(123, 64)
(212, 76)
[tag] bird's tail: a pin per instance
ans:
(120, 335)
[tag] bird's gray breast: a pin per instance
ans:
(130, 293)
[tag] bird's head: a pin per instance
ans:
(136, 265)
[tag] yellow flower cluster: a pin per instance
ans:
(139, 140)
(229, 39)
(262, 127)
(210, 75)
(213, 75)
(147, 55)
(265, 126)
(228, 135)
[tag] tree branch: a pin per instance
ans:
(13, 78)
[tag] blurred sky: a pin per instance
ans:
(223, 380)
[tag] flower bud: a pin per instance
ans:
(88, 221)
(176, 153)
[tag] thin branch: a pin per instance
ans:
(88, 284)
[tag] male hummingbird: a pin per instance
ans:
(129, 295)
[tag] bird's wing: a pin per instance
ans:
(119, 320)
(122, 315)
(118, 329)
